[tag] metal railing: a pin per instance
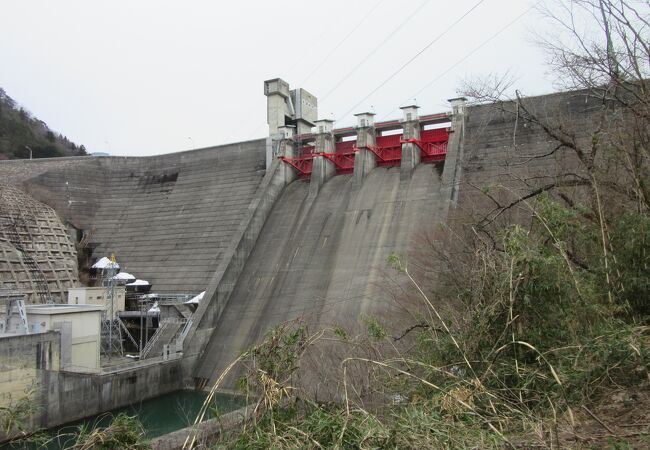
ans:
(164, 298)
(147, 348)
(141, 363)
(181, 336)
(80, 369)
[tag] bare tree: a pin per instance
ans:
(601, 50)
(588, 147)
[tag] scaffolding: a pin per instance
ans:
(113, 329)
(112, 343)
(172, 328)
(11, 300)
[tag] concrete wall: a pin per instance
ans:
(71, 396)
(25, 362)
(323, 257)
(266, 253)
(32, 361)
(197, 227)
(169, 219)
(507, 156)
(204, 433)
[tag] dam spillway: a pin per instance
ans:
(324, 258)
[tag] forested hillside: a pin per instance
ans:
(20, 132)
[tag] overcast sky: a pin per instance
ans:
(150, 77)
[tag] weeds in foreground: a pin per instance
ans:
(15, 416)
(550, 317)
(123, 432)
(541, 339)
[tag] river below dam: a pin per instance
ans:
(160, 415)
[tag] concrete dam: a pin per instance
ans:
(167, 218)
(297, 225)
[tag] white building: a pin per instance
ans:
(80, 328)
(97, 296)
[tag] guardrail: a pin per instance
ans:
(141, 363)
(80, 369)
(165, 299)
(181, 336)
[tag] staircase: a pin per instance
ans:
(164, 335)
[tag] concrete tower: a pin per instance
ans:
(287, 108)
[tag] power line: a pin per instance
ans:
(329, 55)
(372, 52)
(413, 58)
(467, 56)
(313, 43)
(347, 36)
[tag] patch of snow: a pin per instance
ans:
(139, 283)
(155, 308)
(105, 263)
(124, 276)
(196, 299)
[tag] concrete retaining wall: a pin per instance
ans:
(203, 433)
(30, 363)
(71, 396)
(25, 364)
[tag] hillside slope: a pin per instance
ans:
(19, 131)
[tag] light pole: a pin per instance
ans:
(30, 151)
(140, 302)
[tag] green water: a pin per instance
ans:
(160, 415)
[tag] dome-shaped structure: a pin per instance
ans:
(37, 256)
